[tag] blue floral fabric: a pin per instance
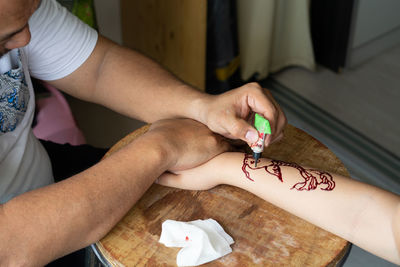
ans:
(14, 98)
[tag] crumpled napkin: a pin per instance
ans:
(202, 241)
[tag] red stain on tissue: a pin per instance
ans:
(187, 238)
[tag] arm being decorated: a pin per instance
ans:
(360, 213)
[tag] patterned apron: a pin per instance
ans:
(24, 164)
(14, 97)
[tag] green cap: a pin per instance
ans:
(262, 124)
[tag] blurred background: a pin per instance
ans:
(334, 67)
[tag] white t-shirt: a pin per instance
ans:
(59, 44)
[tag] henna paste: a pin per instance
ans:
(246, 164)
(312, 179)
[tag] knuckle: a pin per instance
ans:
(236, 130)
(252, 87)
(255, 85)
(256, 88)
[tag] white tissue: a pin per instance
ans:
(202, 241)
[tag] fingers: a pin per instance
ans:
(260, 100)
(269, 109)
(227, 114)
(241, 129)
(281, 124)
(226, 145)
(279, 121)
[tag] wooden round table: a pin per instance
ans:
(264, 234)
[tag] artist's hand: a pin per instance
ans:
(188, 143)
(227, 113)
(203, 177)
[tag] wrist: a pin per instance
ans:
(225, 167)
(159, 148)
(199, 108)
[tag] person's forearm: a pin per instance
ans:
(52, 221)
(151, 93)
(360, 213)
(132, 84)
(138, 87)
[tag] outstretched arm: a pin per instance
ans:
(360, 213)
(136, 86)
(44, 224)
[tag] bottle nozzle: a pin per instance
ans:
(256, 156)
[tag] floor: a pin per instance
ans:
(366, 98)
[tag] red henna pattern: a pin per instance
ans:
(246, 164)
(310, 182)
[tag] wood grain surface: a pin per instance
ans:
(264, 234)
(171, 32)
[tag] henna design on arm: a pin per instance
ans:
(248, 161)
(312, 179)
(245, 165)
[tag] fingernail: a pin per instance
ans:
(251, 136)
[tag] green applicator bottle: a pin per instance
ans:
(263, 127)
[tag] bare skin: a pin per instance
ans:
(104, 77)
(45, 224)
(360, 213)
(110, 68)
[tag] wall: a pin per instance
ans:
(172, 32)
(109, 19)
(184, 54)
(374, 19)
(101, 126)
(376, 28)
